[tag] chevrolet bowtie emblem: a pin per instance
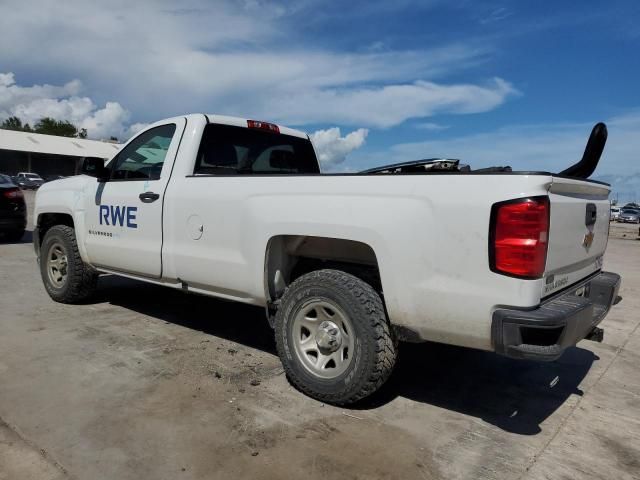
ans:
(588, 240)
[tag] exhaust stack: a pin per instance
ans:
(587, 165)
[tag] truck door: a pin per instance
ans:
(123, 215)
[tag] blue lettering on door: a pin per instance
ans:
(104, 214)
(116, 215)
(131, 217)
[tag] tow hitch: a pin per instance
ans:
(595, 335)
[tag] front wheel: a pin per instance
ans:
(333, 337)
(66, 277)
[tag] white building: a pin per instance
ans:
(48, 154)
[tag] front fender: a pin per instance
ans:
(62, 197)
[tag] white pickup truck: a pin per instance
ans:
(345, 265)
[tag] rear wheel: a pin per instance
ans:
(66, 277)
(333, 337)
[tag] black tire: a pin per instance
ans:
(375, 351)
(81, 280)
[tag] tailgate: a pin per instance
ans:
(578, 232)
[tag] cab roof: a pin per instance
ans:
(242, 122)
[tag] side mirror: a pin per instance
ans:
(94, 167)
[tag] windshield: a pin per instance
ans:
(630, 210)
(5, 180)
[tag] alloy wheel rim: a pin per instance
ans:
(57, 265)
(323, 338)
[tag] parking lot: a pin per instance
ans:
(146, 382)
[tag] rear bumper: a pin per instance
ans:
(546, 331)
(13, 223)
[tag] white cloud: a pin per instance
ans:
(135, 128)
(239, 58)
(389, 105)
(332, 148)
(62, 103)
(431, 126)
(496, 15)
(12, 94)
(107, 121)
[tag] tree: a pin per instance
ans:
(12, 123)
(46, 126)
(51, 126)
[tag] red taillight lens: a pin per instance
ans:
(263, 126)
(518, 237)
(13, 193)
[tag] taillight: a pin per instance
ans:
(518, 236)
(13, 193)
(263, 126)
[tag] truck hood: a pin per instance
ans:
(70, 183)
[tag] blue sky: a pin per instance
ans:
(489, 82)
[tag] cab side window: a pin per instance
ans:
(144, 157)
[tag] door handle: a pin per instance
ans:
(148, 197)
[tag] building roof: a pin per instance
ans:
(38, 143)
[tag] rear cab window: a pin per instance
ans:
(230, 150)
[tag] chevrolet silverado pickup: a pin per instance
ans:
(345, 265)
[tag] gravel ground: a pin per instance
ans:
(146, 382)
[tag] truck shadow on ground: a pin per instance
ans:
(237, 322)
(514, 395)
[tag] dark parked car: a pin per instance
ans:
(629, 215)
(13, 210)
